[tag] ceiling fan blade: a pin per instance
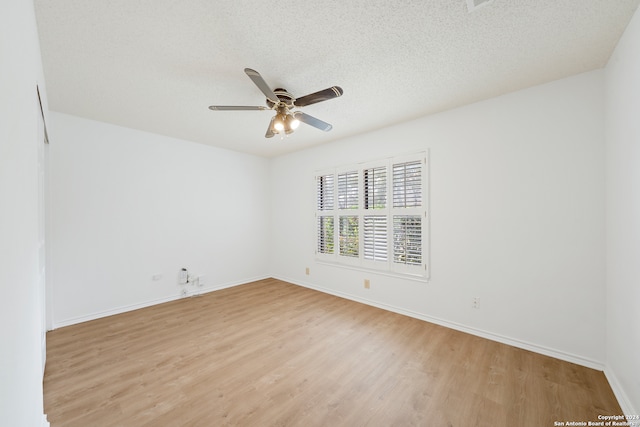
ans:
(312, 121)
(234, 108)
(323, 95)
(262, 85)
(270, 133)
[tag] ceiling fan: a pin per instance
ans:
(283, 103)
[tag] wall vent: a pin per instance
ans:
(473, 5)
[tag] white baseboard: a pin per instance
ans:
(558, 354)
(45, 422)
(131, 307)
(618, 391)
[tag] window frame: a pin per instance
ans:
(385, 267)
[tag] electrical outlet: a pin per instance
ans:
(201, 280)
(156, 277)
(306, 271)
(476, 302)
(367, 284)
(183, 277)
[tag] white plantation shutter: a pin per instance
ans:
(325, 218)
(325, 235)
(349, 239)
(374, 216)
(408, 212)
(348, 190)
(375, 241)
(324, 191)
(375, 237)
(375, 187)
(407, 184)
(407, 239)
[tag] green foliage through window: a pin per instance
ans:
(379, 215)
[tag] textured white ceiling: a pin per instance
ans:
(156, 65)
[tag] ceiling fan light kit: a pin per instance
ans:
(286, 119)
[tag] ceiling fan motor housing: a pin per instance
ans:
(284, 97)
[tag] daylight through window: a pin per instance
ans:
(379, 218)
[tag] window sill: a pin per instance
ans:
(405, 276)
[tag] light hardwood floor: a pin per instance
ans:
(270, 353)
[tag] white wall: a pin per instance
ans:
(128, 205)
(517, 218)
(623, 218)
(21, 315)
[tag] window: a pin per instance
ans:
(349, 236)
(407, 239)
(407, 185)
(325, 234)
(375, 188)
(348, 190)
(379, 220)
(325, 193)
(375, 237)
(325, 222)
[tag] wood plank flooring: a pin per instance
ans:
(270, 353)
